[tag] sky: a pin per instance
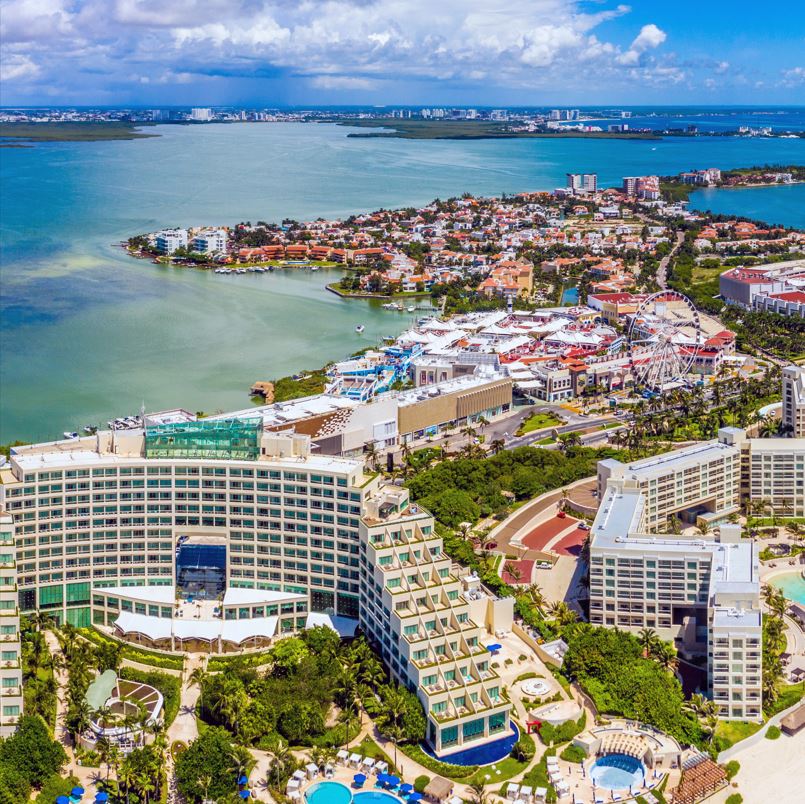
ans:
(296, 52)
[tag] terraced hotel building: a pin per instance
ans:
(95, 529)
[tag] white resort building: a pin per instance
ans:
(702, 591)
(216, 535)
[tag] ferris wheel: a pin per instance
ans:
(663, 338)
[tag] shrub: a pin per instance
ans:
(773, 733)
(56, 786)
(440, 768)
(735, 798)
(732, 768)
(573, 754)
(524, 749)
(420, 783)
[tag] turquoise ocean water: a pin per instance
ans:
(87, 333)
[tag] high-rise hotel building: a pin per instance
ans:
(10, 648)
(289, 539)
(703, 591)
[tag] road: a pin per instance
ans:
(662, 268)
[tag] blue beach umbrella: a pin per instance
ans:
(382, 778)
(406, 788)
(393, 781)
(244, 794)
(101, 797)
(243, 780)
(62, 800)
(415, 797)
(359, 778)
(77, 792)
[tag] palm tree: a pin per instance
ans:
(199, 677)
(665, 654)
(478, 793)
(371, 455)
(648, 638)
(280, 753)
(513, 571)
(395, 707)
(497, 445)
(468, 431)
(40, 620)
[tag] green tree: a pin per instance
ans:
(204, 769)
(32, 752)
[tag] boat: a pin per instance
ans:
(412, 309)
(314, 267)
(71, 436)
(360, 328)
(90, 429)
(391, 306)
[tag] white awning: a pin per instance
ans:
(240, 630)
(252, 597)
(343, 626)
(151, 627)
(236, 631)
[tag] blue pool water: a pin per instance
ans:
(793, 586)
(329, 793)
(375, 797)
(481, 754)
(617, 772)
(570, 296)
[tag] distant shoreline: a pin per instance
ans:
(471, 130)
(16, 134)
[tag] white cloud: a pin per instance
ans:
(341, 82)
(650, 37)
(794, 76)
(722, 67)
(331, 44)
(16, 67)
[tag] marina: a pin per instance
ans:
(151, 332)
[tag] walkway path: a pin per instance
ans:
(184, 726)
(88, 777)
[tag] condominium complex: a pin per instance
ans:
(10, 648)
(118, 530)
(794, 401)
(702, 592)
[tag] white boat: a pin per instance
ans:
(69, 435)
(412, 309)
(314, 267)
(360, 328)
(391, 306)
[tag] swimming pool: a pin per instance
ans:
(793, 586)
(330, 793)
(480, 755)
(617, 772)
(375, 797)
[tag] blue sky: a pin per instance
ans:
(518, 52)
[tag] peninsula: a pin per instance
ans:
(12, 133)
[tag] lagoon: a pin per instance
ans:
(88, 333)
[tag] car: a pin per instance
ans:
(561, 515)
(583, 526)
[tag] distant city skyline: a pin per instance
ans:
(403, 52)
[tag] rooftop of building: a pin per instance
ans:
(680, 459)
(482, 376)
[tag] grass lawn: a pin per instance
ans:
(545, 441)
(369, 748)
(538, 421)
(506, 769)
(734, 731)
(789, 695)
